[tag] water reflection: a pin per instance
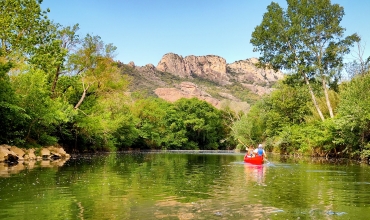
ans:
(255, 173)
(182, 186)
(8, 169)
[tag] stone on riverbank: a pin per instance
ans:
(19, 152)
(6, 154)
(13, 153)
(45, 152)
(57, 152)
(30, 154)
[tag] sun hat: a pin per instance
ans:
(260, 145)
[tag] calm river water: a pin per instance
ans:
(184, 185)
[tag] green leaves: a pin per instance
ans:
(44, 114)
(353, 123)
(24, 25)
(70, 91)
(202, 122)
(11, 114)
(304, 35)
(186, 124)
(307, 39)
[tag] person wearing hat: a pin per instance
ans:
(260, 151)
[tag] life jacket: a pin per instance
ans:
(260, 152)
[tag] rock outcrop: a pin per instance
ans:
(30, 154)
(191, 90)
(248, 67)
(216, 69)
(6, 155)
(208, 78)
(12, 164)
(15, 154)
(207, 67)
(184, 90)
(173, 63)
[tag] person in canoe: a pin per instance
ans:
(249, 151)
(259, 151)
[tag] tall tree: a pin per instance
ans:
(96, 88)
(23, 26)
(94, 64)
(306, 38)
(51, 56)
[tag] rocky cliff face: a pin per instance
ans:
(185, 90)
(246, 71)
(191, 90)
(173, 63)
(216, 69)
(207, 67)
(173, 77)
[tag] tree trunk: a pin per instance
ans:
(29, 129)
(327, 98)
(313, 98)
(82, 97)
(55, 81)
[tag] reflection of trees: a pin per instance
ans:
(160, 185)
(188, 176)
(118, 185)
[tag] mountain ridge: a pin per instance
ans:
(236, 85)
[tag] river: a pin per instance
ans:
(184, 185)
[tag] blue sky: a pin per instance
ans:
(144, 30)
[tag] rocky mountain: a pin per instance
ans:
(208, 67)
(208, 78)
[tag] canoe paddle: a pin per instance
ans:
(266, 160)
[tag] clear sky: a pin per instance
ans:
(144, 30)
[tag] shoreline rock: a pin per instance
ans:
(13, 154)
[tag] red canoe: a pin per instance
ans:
(258, 160)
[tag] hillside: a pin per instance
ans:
(209, 78)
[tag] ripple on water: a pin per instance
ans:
(326, 171)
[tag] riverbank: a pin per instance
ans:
(12, 154)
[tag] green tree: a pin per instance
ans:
(44, 114)
(353, 122)
(23, 26)
(68, 41)
(306, 38)
(250, 128)
(11, 114)
(195, 124)
(151, 122)
(96, 88)
(103, 118)
(53, 54)
(94, 65)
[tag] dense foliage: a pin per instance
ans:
(307, 39)
(299, 117)
(59, 88)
